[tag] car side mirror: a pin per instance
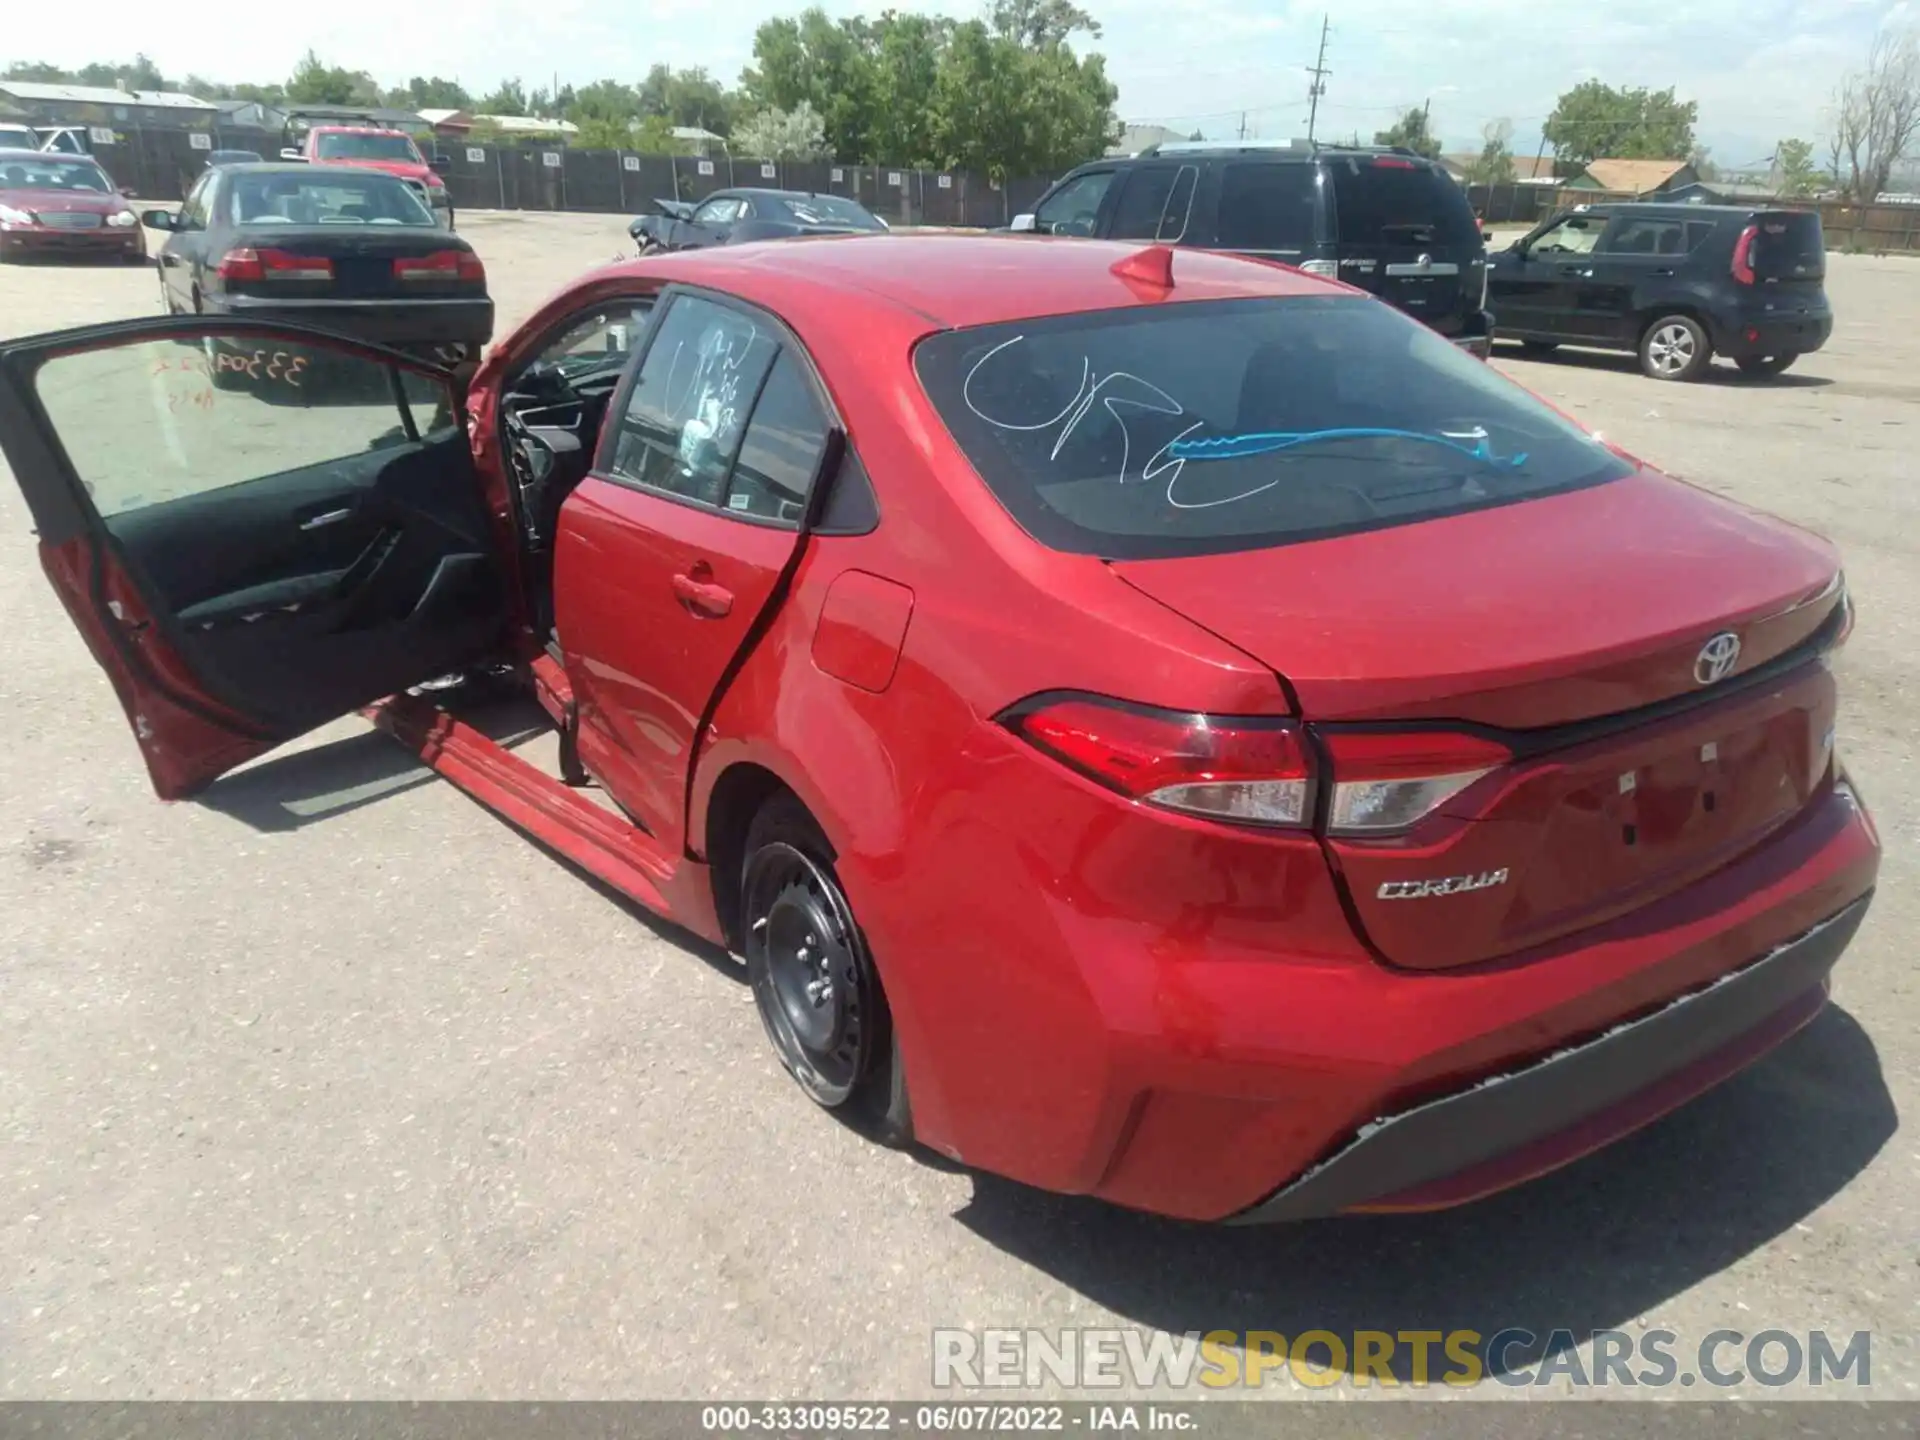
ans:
(160, 219)
(440, 164)
(289, 153)
(1023, 223)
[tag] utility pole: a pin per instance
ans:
(1319, 72)
(1243, 124)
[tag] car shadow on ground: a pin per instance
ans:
(1598, 1245)
(288, 792)
(1719, 373)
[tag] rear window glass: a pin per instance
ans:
(1268, 207)
(1398, 202)
(1789, 247)
(1187, 429)
(324, 197)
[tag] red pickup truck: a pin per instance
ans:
(372, 148)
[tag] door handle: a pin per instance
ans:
(326, 518)
(1663, 272)
(1576, 271)
(703, 597)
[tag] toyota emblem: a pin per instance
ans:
(1717, 658)
(1425, 262)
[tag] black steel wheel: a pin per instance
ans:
(812, 977)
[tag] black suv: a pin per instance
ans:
(1678, 284)
(1384, 220)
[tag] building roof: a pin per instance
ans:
(1633, 177)
(1135, 138)
(444, 117)
(1525, 167)
(527, 125)
(103, 95)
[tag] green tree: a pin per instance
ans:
(796, 134)
(509, 97)
(314, 82)
(1411, 131)
(1495, 163)
(1595, 121)
(822, 62)
(430, 92)
(691, 98)
(1794, 169)
(1041, 24)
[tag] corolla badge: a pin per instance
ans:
(1717, 658)
(1452, 885)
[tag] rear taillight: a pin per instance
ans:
(247, 263)
(1392, 162)
(1254, 771)
(1386, 781)
(1328, 268)
(441, 265)
(1743, 255)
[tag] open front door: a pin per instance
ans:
(258, 528)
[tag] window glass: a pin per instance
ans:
(1789, 246)
(1143, 200)
(1576, 235)
(331, 195)
(151, 421)
(1173, 221)
(54, 172)
(782, 447)
(349, 145)
(688, 410)
(1391, 200)
(602, 337)
(1074, 208)
(1697, 233)
(1646, 235)
(717, 212)
(1267, 207)
(1235, 425)
(194, 208)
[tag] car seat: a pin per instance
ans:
(1290, 386)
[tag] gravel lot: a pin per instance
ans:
(333, 1085)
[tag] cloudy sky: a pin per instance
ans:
(1760, 69)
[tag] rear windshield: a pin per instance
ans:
(324, 197)
(366, 147)
(1188, 429)
(1789, 247)
(827, 210)
(1398, 202)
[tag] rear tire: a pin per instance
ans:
(1766, 364)
(1675, 347)
(812, 977)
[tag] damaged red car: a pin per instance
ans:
(1164, 727)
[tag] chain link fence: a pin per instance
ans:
(162, 164)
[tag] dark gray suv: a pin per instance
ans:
(1385, 220)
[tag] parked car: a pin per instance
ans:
(64, 205)
(1676, 284)
(18, 137)
(1382, 219)
(1155, 724)
(58, 139)
(369, 147)
(733, 217)
(234, 157)
(352, 250)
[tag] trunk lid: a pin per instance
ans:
(361, 257)
(1577, 628)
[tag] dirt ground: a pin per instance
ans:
(333, 1085)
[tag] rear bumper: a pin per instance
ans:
(1509, 1127)
(403, 324)
(1745, 336)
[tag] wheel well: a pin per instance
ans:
(738, 795)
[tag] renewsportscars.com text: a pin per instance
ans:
(1224, 1359)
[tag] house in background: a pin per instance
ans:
(1135, 138)
(526, 127)
(104, 108)
(1636, 177)
(454, 124)
(1527, 169)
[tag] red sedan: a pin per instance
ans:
(64, 205)
(1158, 726)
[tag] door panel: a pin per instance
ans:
(670, 553)
(261, 546)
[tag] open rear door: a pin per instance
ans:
(258, 528)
